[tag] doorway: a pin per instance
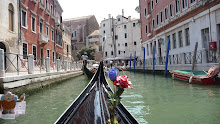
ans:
(42, 56)
(2, 46)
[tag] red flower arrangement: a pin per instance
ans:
(123, 82)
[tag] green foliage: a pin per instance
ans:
(90, 53)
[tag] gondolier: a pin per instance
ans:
(84, 58)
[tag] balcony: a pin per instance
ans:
(57, 21)
(47, 12)
(43, 38)
(35, 1)
(41, 5)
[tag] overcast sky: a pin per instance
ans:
(99, 8)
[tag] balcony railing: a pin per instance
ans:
(43, 38)
(35, 1)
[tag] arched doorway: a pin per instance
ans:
(2, 46)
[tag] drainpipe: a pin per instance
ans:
(19, 22)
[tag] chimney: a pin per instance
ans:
(129, 18)
(109, 16)
(122, 12)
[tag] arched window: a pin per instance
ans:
(11, 17)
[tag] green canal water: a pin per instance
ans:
(154, 100)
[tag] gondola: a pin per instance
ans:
(91, 106)
(87, 72)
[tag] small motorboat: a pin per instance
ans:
(91, 106)
(190, 76)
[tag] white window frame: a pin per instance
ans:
(152, 5)
(145, 12)
(53, 56)
(23, 49)
(186, 7)
(52, 35)
(176, 6)
(146, 29)
(156, 2)
(161, 20)
(153, 24)
(172, 9)
(157, 20)
(165, 19)
(41, 21)
(26, 26)
(49, 53)
(32, 16)
(47, 31)
(52, 10)
(33, 50)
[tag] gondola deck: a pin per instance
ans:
(91, 106)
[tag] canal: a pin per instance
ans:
(155, 99)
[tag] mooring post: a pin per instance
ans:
(154, 58)
(194, 56)
(30, 64)
(2, 63)
(134, 60)
(65, 65)
(144, 61)
(58, 64)
(47, 64)
(167, 57)
(130, 61)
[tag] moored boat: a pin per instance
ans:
(194, 76)
(88, 72)
(91, 106)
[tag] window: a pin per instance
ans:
(171, 10)
(52, 34)
(145, 12)
(174, 40)
(135, 43)
(103, 39)
(156, 1)
(152, 4)
(23, 18)
(48, 53)
(72, 34)
(47, 30)
(25, 52)
(75, 33)
(125, 26)
(33, 23)
(125, 35)
(151, 48)
(146, 29)
(106, 53)
(111, 52)
(118, 19)
(157, 20)
(153, 24)
(126, 44)
(119, 52)
(205, 38)
(134, 24)
(103, 25)
(41, 26)
(161, 16)
(177, 6)
(11, 17)
(51, 9)
(119, 44)
(166, 13)
(34, 50)
(53, 56)
(180, 38)
(67, 48)
(46, 4)
(187, 36)
(147, 50)
(184, 3)
(104, 31)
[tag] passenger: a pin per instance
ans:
(85, 57)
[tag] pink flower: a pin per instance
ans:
(123, 82)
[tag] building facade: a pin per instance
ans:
(93, 41)
(121, 38)
(38, 29)
(10, 29)
(183, 23)
(67, 44)
(80, 29)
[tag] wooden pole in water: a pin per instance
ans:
(194, 56)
